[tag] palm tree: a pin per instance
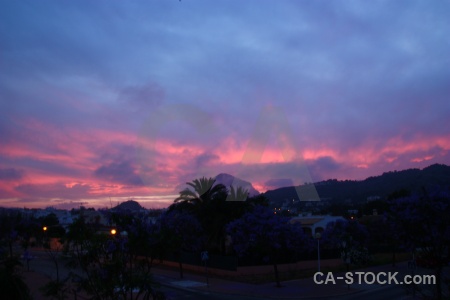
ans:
(203, 191)
(239, 194)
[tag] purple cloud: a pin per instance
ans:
(278, 183)
(119, 172)
(56, 190)
(11, 174)
(323, 167)
(160, 92)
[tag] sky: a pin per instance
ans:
(103, 101)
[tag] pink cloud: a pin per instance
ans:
(72, 163)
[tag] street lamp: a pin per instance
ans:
(346, 258)
(113, 231)
(318, 236)
(45, 239)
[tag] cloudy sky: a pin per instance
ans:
(105, 100)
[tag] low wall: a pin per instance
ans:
(260, 270)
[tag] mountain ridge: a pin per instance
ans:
(413, 180)
(129, 205)
(230, 180)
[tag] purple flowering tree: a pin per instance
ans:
(180, 232)
(12, 284)
(263, 234)
(424, 225)
(113, 264)
(350, 238)
(341, 230)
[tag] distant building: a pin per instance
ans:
(313, 224)
(64, 217)
(373, 198)
(94, 217)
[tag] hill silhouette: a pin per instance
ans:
(413, 180)
(130, 205)
(229, 180)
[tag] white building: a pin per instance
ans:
(315, 224)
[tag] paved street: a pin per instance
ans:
(177, 294)
(193, 286)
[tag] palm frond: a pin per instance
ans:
(203, 190)
(238, 194)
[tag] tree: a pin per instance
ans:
(9, 222)
(207, 201)
(179, 232)
(238, 194)
(203, 191)
(56, 288)
(52, 227)
(214, 207)
(262, 234)
(337, 231)
(422, 221)
(393, 233)
(111, 266)
(12, 284)
(348, 236)
(217, 213)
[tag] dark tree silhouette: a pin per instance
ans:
(261, 233)
(423, 223)
(110, 263)
(180, 232)
(203, 191)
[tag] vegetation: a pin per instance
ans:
(110, 262)
(423, 226)
(223, 221)
(12, 284)
(267, 238)
(344, 194)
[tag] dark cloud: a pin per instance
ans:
(116, 151)
(119, 172)
(294, 172)
(205, 159)
(63, 204)
(51, 167)
(31, 200)
(278, 183)
(142, 97)
(323, 168)
(56, 190)
(419, 159)
(350, 78)
(11, 174)
(4, 194)
(55, 203)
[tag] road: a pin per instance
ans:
(42, 263)
(176, 294)
(395, 292)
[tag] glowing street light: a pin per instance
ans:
(44, 228)
(113, 231)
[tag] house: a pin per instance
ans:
(313, 224)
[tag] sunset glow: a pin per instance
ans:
(136, 104)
